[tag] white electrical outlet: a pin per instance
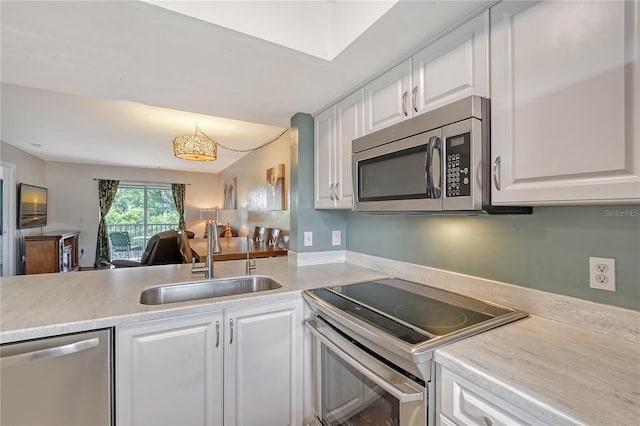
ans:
(602, 273)
(335, 238)
(308, 238)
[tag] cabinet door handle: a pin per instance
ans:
(217, 333)
(335, 191)
(331, 192)
(231, 324)
(404, 103)
(487, 421)
(414, 96)
(496, 171)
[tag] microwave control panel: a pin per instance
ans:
(458, 171)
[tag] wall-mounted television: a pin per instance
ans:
(32, 206)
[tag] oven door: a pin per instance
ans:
(352, 387)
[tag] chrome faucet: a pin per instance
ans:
(250, 266)
(213, 247)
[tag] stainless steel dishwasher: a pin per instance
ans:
(64, 380)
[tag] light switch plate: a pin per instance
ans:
(335, 238)
(308, 239)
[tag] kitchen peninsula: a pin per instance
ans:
(519, 370)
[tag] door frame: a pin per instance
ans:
(7, 239)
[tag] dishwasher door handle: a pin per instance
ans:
(56, 351)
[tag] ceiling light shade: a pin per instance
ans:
(197, 147)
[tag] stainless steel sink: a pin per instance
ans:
(171, 293)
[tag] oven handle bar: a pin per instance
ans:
(393, 389)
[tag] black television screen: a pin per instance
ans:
(32, 206)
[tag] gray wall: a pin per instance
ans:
(548, 250)
(303, 216)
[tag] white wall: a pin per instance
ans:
(73, 199)
(251, 174)
(29, 169)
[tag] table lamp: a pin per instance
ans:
(208, 215)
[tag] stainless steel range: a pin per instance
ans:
(373, 345)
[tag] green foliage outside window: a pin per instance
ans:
(129, 206)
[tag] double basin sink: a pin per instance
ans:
(172, 293)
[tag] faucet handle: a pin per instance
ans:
(251, 265)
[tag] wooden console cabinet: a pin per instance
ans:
(51, 252)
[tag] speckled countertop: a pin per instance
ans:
(559, 373)
(49, 304)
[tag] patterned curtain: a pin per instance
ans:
(178, 198)
(106, 194)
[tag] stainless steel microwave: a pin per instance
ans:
(434, 162)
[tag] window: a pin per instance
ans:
(143, 210)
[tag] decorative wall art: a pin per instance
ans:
(275, 188)
(230, 194)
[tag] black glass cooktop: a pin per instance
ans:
(383, 305)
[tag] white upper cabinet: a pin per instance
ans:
(565, 102)
(453, 67)
(335, 129)
(323, 147)
(387, 99)
(349, 126)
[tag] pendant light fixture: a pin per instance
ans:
(197, 147)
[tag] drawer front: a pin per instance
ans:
(463, 403)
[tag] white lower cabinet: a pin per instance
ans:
(242, 366)
(460, 402)
(169, 371)
(263, 365)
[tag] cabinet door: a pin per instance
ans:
(563, 104)
(42, 256)
(169, 372)
(324, 142)
(263, 365)
(387, 98)
(453, 67)
(349, 126)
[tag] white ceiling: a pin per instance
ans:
(113, 82)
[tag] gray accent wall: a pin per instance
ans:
(548, 250)
(303, 216)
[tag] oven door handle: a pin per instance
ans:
(403, 392)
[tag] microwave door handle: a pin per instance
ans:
(437, 144)
(427, 167)
(432, 191)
